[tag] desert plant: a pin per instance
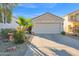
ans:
(20, 34)
(19, 37)
(24, 23)
(29, 26)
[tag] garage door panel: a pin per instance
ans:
(47, 28)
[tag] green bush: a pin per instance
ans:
(63, 33)
(19, 37)
(4, 32)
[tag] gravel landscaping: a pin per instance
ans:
(6, 48)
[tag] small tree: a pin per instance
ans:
(24, 24)
(6, 12)
(29, 26)
(21, 30)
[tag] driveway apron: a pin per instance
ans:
(61, 39)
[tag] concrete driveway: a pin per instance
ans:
(52, 48)
(62, 39)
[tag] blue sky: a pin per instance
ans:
(30, 10)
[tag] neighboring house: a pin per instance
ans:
(11, 25)
(47, 24)
(71, 22)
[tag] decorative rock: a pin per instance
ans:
(10, 36)
(11, 48)
(33, 33)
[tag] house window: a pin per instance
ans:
(69, 28)
(71, 18)
(77, 17)
(75, 28)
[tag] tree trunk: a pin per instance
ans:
(2, 14)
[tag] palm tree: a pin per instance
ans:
(29, 26)
(6, 12)
(24, 24)
(20, 34)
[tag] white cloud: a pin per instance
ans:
(42, 5)
(27, 5)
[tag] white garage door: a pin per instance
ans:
(47, 28)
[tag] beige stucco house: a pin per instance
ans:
(47, 24)
(71, 22)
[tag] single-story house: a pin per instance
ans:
(71, 22)
(47, 23)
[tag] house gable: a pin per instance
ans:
(47, 17)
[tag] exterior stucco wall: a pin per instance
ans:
(65, 23)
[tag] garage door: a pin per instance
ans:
(47, 28)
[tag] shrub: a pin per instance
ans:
(63, 33)
(4, 32)
(19, 37)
